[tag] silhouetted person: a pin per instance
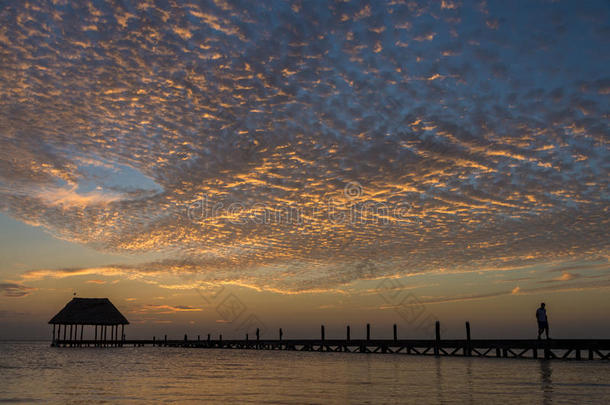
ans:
(543, 322)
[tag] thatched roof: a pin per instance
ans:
(89, 311)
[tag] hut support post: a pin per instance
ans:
(65, 327)
(95, 337)
(122, 334)
(395, 333)
(53, 339)
(81, 333)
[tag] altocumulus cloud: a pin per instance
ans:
(15, 290)
(492, 125)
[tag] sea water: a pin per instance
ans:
(34, 372)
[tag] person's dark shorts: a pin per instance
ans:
(543, 325)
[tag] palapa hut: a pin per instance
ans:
(89, 311)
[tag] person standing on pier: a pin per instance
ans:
(543, 322)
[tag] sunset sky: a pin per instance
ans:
(217, 166)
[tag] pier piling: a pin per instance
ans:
(437, 343)
(467, 348)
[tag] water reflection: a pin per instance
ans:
(468, 382)
(546, 373)
(439, 380)
(34, 372)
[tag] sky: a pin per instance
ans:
(218, 166)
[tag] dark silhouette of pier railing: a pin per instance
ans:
(578, 349)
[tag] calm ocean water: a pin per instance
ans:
(35, 372)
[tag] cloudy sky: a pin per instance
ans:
(215, 165)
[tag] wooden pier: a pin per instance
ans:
(574, 349)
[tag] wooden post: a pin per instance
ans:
(154, 341)
(81, 332)
(258, 334)
(468, 349)
(281, 333)
(53, 338)
(122, 334)
(71, 340)
(437, 343)
(395, 333)
(185, 337)
(95, 337)
(209, 338)
(498, 353)
(165, 340)
(535, 352)
(322, 338)
(348, 334)
(220, 338)
(590, 354)
(577, 354)
(246, 337)
(64, 339)
(368, 331)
